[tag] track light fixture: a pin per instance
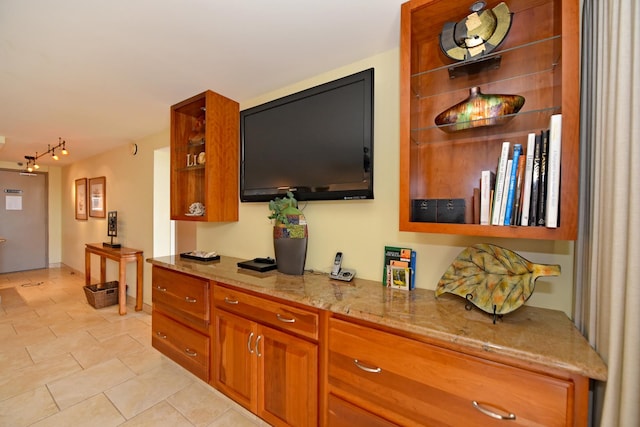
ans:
(31, 160)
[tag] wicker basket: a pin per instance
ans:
(102, 294)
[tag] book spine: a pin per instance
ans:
(542, 185)
(507, 178)
(513, 176)
(528, 174)
(535, 181)
(517, 212)
(500, 174)
(487, 183)
(553, 171)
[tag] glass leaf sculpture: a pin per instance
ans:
(492, 278)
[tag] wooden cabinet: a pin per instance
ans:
(181, 319)
(204, 158)
(263, 357)
(539, 59)
(382, 377)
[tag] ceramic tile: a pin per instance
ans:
(143, 360)
(160, 415)
(233, 418)
(97, 411)
(147, 389)
(74, 388)
(27, 408)
(106, 350)
(199, 403)
(61, 345)
(39, 374)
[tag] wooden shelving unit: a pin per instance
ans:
(539, 60)
(204, 161)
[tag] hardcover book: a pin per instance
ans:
(500, 175)
(528, 175)
(399, 268)
(553, 171)
(535, 181)
(542, 185)
(513, 178)
(487, 184)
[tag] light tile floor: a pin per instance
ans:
(65, 363)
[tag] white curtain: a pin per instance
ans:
(608, 248)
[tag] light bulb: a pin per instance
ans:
(54, 155)
(36, 166)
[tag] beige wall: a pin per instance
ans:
(359, 228)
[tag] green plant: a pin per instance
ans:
(280, 207)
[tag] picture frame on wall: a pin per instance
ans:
(81, 198)
(97, 197)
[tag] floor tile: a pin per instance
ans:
(160, 415)
(27, 408)
(82, 385)
(94, 412)
(147, 389)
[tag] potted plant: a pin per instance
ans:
(289, 234)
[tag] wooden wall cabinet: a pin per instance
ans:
(204, 157)
(539, 60)
(380, 378)
(266, 357)
(181, 319)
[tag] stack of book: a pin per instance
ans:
(524, 190)
(399, 268)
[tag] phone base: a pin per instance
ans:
(345, 274)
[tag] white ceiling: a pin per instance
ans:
(101, 74)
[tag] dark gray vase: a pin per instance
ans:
(291, 255)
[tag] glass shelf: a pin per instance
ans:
(542, 56)
(522, 122)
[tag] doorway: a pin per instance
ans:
(23, 221)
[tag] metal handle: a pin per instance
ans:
(285, 319)
(257, 346)
(190, 352)
(161, 335)
(491, 413)
(161, 289)
(231, 301)
(249, 343)
(191, 300)
(366, 368)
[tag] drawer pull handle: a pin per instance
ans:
(249, 343)
(191, 300)
(366, 368)
(492, 414)
(257, 346)
(161, 289)
(285, 319)
(161, 335)
(231, 301)
(190, 352)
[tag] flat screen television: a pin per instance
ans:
(317, 143)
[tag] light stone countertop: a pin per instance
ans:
(532, 335)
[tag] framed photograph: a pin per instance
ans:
(97, 197)
(81, 198)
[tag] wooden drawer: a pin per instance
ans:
(182, 344)
(413, 383)
(181, 295)
(268, 312)
(344, 414)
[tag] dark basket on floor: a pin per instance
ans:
(102, 294)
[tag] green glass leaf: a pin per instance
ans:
(492, 278)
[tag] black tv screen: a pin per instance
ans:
(317, 143)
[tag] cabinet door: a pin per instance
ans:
(234, 358)
(288, 378)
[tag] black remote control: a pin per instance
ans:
(267, 260)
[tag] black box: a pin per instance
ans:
(438, 210)
(423, 210)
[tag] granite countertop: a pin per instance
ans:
(534, 335)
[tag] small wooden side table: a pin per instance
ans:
(123, 256)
